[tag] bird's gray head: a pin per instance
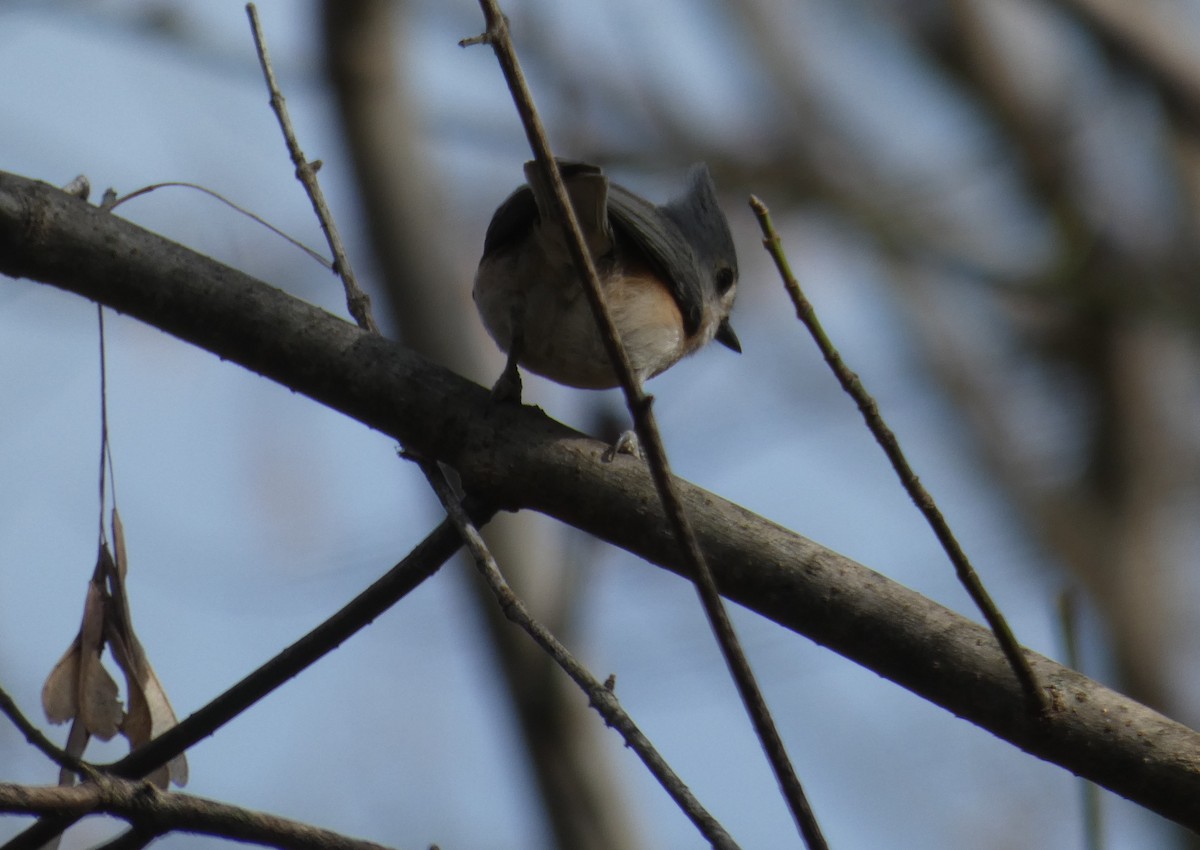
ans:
(698, 216)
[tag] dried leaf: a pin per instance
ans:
(99, 708)
(149, 713)
(138, 724)
(60, 694)
(79, 687)
(91, 629)
(160, 777)
(118, 531)
(163, 718)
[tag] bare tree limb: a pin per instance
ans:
(517, 457)
(357, 301)
(155, 812)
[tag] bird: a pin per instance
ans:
(669, 275)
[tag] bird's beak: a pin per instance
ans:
(727, 337)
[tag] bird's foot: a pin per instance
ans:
(626, 444)
(507, 389)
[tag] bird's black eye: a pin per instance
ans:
(724, 279)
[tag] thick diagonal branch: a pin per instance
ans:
(519, 458)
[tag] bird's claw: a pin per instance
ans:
(626, 444)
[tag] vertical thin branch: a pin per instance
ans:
(641, 410)
(103, 415)
(891, 447)
(357, 301)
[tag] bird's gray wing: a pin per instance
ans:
(586, 186)
(665, 245)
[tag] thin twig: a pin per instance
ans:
(891, 447)
(104, 453)
(420, 564)
(180, 184)
(34, 736)
(641, 410)
(357, 301)
(600, 697)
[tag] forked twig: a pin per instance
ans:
(641, 410)
(891, 447)
(600, 696)
(357, 301)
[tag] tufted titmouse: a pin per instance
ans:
(669, 275)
